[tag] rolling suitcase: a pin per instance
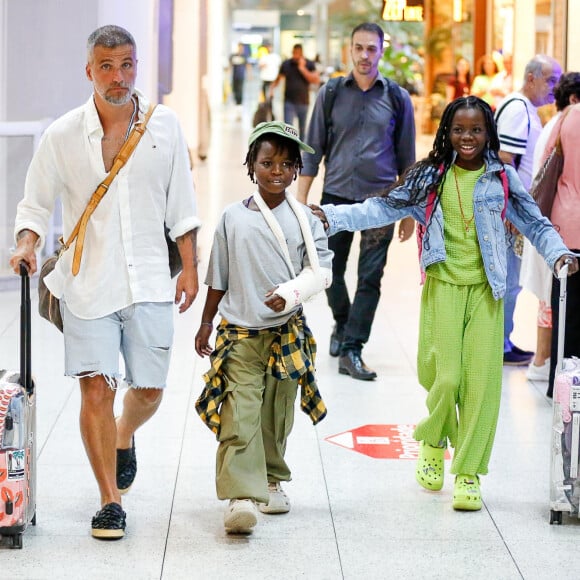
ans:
(564, 472)
(17, 435)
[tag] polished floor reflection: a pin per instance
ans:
(356, 509)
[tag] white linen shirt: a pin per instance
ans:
(124, 257)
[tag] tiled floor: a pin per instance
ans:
(353, 516)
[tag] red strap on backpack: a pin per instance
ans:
(506, 191)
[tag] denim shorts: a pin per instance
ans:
(142, 333)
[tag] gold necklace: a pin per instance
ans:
(466, 222)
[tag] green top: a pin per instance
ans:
(464, 264)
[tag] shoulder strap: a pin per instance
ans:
(332, 87)
(80, 229)
(501, 110)
(558, 143)
(506, 190)
(421, 229)
(398, 104)
(299, 211)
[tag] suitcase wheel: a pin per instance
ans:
(17, 541)
(555, 517)
(33, 520)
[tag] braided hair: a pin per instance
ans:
(428, 174)
(280, 143)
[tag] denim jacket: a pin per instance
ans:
(488, 203)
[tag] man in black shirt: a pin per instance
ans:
(299, 74)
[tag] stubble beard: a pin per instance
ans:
(122, 99)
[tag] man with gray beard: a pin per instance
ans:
(120, 299)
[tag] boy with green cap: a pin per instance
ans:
(269, 255)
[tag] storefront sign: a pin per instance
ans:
(403, 10)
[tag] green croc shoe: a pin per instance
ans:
(429, 472)
(467, 495)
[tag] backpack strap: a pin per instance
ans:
(332, 87)
(421, 229)
(331, 90)
(506, 191)
(398, 104)
(517, 158)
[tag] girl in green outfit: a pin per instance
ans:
(460, 195)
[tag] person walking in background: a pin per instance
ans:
(121, 299)
(486, 69)
(518, 127)
(503, 82)
(238, 66)
(269, 255)
(460, 84)
(535, 276)
(269, 65)
(456, 194)
(298, 73)
(377, 115)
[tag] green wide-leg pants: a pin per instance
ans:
(257, 416)
(459, 363)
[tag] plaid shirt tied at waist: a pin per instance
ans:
(290, 357)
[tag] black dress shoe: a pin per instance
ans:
(351, 363)
(335, 341)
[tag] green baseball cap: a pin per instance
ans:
(278, 128)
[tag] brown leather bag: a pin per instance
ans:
(545, 184)
(48, 304)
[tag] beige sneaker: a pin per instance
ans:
(241, 516)
(278, 502)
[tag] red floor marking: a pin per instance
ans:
(380, 441)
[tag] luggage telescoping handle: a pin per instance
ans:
(563, 278)
(25, 331)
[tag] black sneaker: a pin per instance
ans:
(522, 352)
(109, 522)
(514, 359)
(126, 467)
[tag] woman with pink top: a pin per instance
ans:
(566, 216)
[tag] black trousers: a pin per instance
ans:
(572, 331)
(356, 318)
(238, 90)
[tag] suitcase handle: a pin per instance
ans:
(563, 279)
(25, 330)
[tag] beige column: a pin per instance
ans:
(524, 37)
(184, 96)
(573, 39)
